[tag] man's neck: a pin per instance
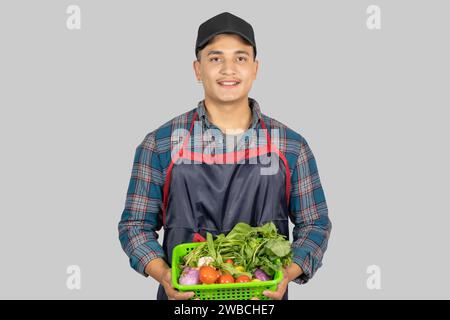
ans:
(231, 118)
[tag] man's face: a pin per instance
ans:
(226, 59)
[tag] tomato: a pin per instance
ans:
(229, 261)
(208, 275)
(226, 278)
(242, 279)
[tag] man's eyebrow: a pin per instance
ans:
(214, 52)
(221, 52)
(242, 52)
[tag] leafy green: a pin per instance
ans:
(212, 250)
(278, 248)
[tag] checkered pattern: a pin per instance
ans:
(142, 215)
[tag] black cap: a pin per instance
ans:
(224, 23)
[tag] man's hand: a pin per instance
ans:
(281, 289)
(290, 273)
(161, 272)
(172, 293)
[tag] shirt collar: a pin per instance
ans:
(254, 106)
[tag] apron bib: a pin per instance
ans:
(213, 194)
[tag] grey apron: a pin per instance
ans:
(200, 197)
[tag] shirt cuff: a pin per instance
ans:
(305, 265)
(142, 256)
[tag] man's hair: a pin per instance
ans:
(200, 49)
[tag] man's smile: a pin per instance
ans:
(229, 83)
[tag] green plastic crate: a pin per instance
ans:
(226, 291)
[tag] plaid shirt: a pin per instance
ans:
(142, 216)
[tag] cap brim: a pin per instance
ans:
(201, 44)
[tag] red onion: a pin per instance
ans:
(261, 275)
(189, 276)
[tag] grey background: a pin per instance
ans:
(373, 106)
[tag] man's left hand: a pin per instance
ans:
(289, 273)
(281, 289)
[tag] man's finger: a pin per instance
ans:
(276, 295)
(174, 294)
(272, 294)
(170, 292)
(184, 295)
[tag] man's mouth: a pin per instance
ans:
(229, 83)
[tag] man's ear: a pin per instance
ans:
(196, 66)
(256, 69)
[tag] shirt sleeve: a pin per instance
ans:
(309, 214)
(141, 217)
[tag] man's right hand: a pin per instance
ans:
(161, 272)
(172, 293)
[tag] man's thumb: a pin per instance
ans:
(189, 294)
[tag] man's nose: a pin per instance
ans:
(228, 67)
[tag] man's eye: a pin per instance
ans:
(242, 59)
(214, 59)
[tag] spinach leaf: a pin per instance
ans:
(240, 230)
(280, 248)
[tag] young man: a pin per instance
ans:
(221, 163)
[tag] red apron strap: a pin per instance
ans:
(268, 138)
(169, 170)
